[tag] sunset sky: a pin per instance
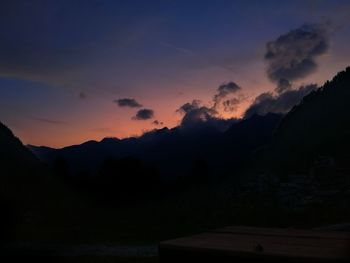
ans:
(65, 66)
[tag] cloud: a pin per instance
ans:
(223, 91)
(228, 97)
(282, 86)
(201, 59)
(231, 105)
(188, 107)
(269, 102)
(128, 102)
(199, 118)
(82, 95)
(49, 121)
(227, 88)
(144, 114)
(292, 56)
(197, 115)
(157, 123)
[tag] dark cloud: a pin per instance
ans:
(144, 114)
(188, 107)
(201, 118)
(231, 105)
(128, 102)
(197, 116)
(157, 123)
(283, 85)
(82, 95)
(223, 91)
(292, 56)
(227, 88)
(269, 102)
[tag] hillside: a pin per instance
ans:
(13, 154)
(319, 127)
(306, 165)
(34, 204)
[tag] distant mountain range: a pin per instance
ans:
(318, 126)
(173, 151)
(311, 141)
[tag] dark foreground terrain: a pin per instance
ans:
(296, 176)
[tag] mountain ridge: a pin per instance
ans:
(165, 146)
(318, 126)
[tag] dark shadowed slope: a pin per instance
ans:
(252, 132)
(13, 154)
(318, 126)
(305, 171)
(34, 204)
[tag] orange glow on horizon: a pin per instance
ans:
(68, 135)
(97, 118)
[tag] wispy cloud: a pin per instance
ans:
(49, 121)
(103, 130)
(196, 55)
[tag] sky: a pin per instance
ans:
(72, 71)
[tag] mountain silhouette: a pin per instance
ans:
(114, 172)
(32, 200)
(318, 126)
(13, 154)
(173, 151)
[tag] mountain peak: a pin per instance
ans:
(13, 154)
(5, 131)
(109, 140)
(319, 125)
